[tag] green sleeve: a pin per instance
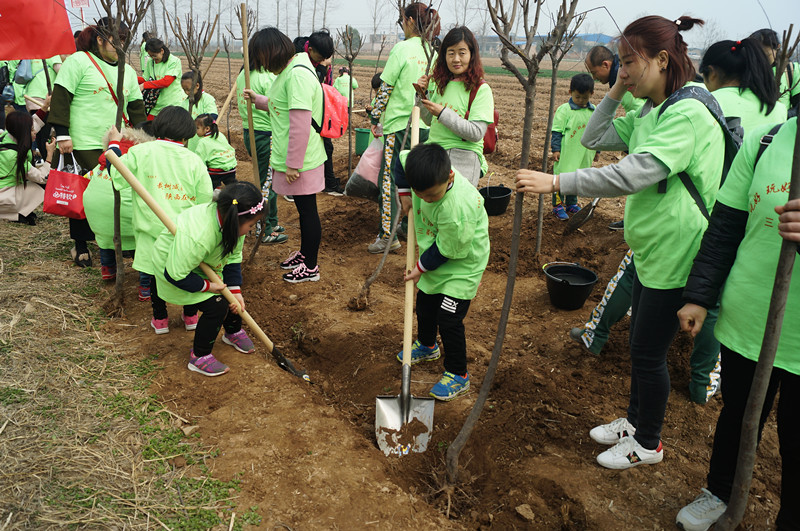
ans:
(301, 87)
(735, 193)
(560, 119)
(355, 83)
(394, 65)
(624, 127)
(482, 109)
(184, 256)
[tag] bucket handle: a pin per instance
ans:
(559, 263)
(561, 280)
(488, 185)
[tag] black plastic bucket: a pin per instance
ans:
(495, 199)
(568, 284)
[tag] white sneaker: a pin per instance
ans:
(628, 453)
(702, 513)
(612, 432)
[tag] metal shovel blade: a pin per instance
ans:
(580, 217)
(403, 423)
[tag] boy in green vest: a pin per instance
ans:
(569, 123)
(452, 231)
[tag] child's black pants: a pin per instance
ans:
(446, 314)
(214, 314)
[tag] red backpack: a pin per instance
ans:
(490, 138)
(334, 111)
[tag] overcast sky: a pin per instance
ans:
(727, 18)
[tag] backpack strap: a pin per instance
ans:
(766, 140)
(472, 94)
(732, 138)
(317, 127)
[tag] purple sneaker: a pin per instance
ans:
(294, 260)
(239, 341)
(206, 365)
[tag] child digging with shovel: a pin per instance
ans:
(452, 231)
(212, 233)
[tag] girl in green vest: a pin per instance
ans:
(298, 154)
(20, 193)
(203, 102)
(789, 87)
(457, 124)
(663, 223)
(392, 109)
(84, 108)
(739, 77)
(215, 151)
(161, 76)
(213, 234)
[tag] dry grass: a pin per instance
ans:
(82, 442)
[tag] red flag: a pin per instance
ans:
(34, 29)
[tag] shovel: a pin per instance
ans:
(281, 360)
(403, 423)
(582, 216)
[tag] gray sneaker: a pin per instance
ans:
(702, 513)
(378, 246)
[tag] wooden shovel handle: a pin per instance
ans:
(411, 260)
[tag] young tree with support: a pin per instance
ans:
(194, 40)
(556, 54)
(503, 22)
(351, 43)
(131, 13)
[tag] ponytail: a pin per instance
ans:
(426, 20)
(19, 125)
(237, 202)
(206, 120)
(744, 63)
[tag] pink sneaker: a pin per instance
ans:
(190, 321)
(207, 365)
(161, 326)
(239, 341)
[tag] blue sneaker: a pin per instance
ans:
(560, 213)
(450, 386)
(420, 352)
(573, 209)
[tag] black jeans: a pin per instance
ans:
(330, 178)
(158, 304)
(737, 377)
(654, 322)
(215, 313)
(310, 228)
(445, 314)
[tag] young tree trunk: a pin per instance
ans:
(548, 132)
(325, 13)
(314, 17)
(299, 15)
(219, 28)
(350, 121)
(120, 280)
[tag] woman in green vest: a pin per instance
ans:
(162, 75)
(458, 124)
(663, 223)
(84, 108)
(407, 62)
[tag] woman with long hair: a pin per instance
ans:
(460, 104)
(663, 223)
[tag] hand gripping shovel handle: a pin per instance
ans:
(284, 363)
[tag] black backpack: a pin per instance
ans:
(731, 129)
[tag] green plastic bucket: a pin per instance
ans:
(363, 138)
